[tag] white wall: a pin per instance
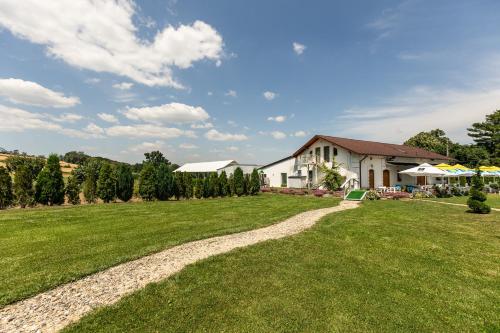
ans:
(273, 172)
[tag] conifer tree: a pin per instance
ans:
(214, 185)
(164, 182)
(106, 183)
(49, 189)
(124, 182)
(6, 195)
(223, 185)
(239, 182)
(147, 182)
(231, 187)
(188, 185)
(254, 182)
(91, 173)
(73, 190)
(23, 186)
(477, 197)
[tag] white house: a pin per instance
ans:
(364, 164)
(205, 168)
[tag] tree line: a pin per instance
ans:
(484, 151)
(27, 181)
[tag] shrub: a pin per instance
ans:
(6, 195)
(164, 182)
(421, 195)
(332, 180)
(266, 189)
(441, 192)
(239, 182)
(23, 186)
(223, 185)
(106, 183)
(477, 197)
(147, 182)
(73, 190)
(254, 182)
(124, 182)
(91, 172)
(372, 195)
(49, 189)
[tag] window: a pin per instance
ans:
(318, 151)
(326, 153)
(283, 180)
(335, 152)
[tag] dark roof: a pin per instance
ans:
(363, 147)
(275, 162)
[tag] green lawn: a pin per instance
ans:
(389, 266)
(42, 248)
(493, 200)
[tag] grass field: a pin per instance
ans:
(42, 248)
(389, 266)
(493, 200)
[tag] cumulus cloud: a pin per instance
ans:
(123, 85)
(232, 148)
(299, 134)
(202, 126)
(269, 95)
(167, 113)
(299, 48)
(67, 118)
(108, 118)
(147, 146)
(31, 93)
(231, 93)
(278, 119)
(188, 146)
(102, 36)
(147, 131)
(215, 135)
(278, 135)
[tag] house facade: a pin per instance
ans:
(364, 164)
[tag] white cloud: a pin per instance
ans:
(299, 48)
(94, 129)
(172, 112)
(215, 135)
(278, 135)
(202, 126)
(147, 131)
(92, 80)
(67, 118)
(300, 134)
(231, 93)
(278, 119)
(147, 146)
(123, 85)
(108, 118)
(31, 93)
(232, 148)
(210, 93)
(420, 109)
(232, 123)
(188, 146)
(269, 95)
(102, 36)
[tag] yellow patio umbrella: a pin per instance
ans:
(461, 167)
(444, 166)
(489, 168)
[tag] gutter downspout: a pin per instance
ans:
(361, 160)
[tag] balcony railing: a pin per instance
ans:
(310, 159)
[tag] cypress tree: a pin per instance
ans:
(239, 182)
(206, 187)
(23, 186)
(476, 201)
(147, 182)
(223, 185)
(198, 189)
(164, 182)
(6, 195)
(91, 172)
(213, 185)
(188, 185)
(106, 183)
(246, 184)
(73, 190)
(124, 182)
(254, 182)
(230, 183)
(49, 189)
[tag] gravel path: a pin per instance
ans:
(54, 309)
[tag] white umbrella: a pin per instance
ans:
(424, 170)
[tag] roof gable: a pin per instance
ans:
(363, 147)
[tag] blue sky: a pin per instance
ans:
(251, 81)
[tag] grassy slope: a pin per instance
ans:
(493, 200)
(388, 266)
(42, 248)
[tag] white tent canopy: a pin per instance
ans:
(205, 166)
(424, 170)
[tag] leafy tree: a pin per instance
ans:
(91, 172)
(79, 174)
(164, 182)
(23, 186)
(73, 190)
(477, 198)
(156, 158)
(254, 182)
(147, 182)
(33, 164)
(188, 185)
(223, 185)
(213, 182)
(124, 182)
(332, 179)
(239, 182)
(470, 156)
(76, 157)
(106, 183)
(49, 189)
(6, 195)
(487, 133)
(434, 140)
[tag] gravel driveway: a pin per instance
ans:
(54, 309)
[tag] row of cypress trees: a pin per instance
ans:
(159, 182)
